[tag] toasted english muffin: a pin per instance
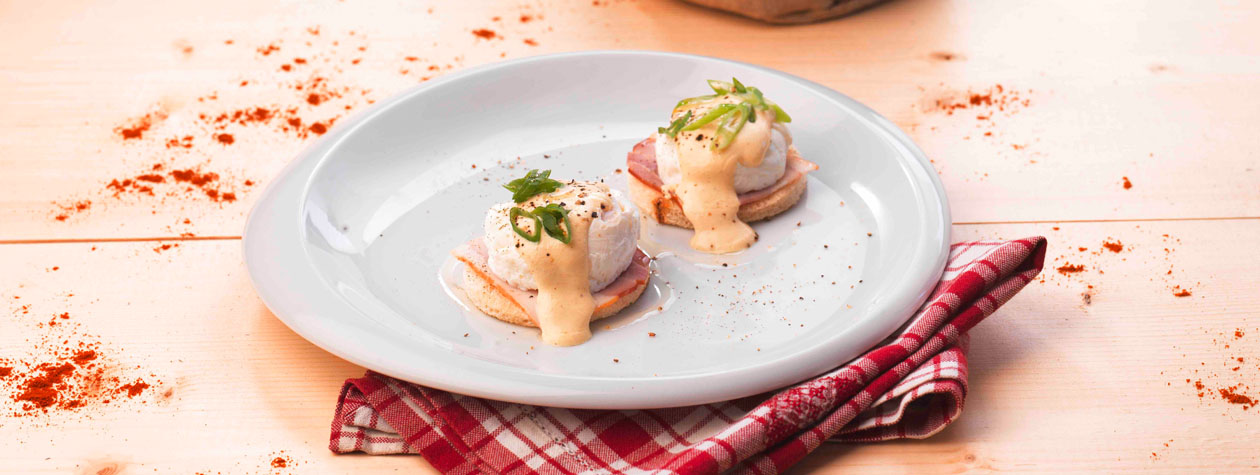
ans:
(667, 209)
(494, 302)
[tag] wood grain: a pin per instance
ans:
(1154, 92)
(1103, 104)
(1051, 375)
(1058, 385)
(244, 388)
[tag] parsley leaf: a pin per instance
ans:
(533, 183)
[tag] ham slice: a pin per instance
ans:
(642, 164)
(474, 254)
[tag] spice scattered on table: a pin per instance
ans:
(984, 103)
(979, 114)
(1067, 269)
(64, 211)
(1232, 396)
(64, 370)
(1113, 246)
(136, 128)
(178, 183)
(70, 375)
(1226, 382)
(1082, 266)
(280, 460)
(160, 248)
(303, 83)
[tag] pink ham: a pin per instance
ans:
(642, 164)
(473, 254)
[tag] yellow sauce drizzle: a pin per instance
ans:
(562, 271)
(707, 187)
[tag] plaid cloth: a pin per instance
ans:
(910, 386)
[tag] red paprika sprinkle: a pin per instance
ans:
(84, 356)
(1230, 395)
(134, 389)
(1066, 269)
(137, 129)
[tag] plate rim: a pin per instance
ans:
(316, 154)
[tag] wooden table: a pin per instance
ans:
(1088, 371)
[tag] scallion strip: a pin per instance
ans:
(517, 212)
(710, 116)
(721, 87)
(568, 231)
(695, 100)
(779, 115)
(552, 215)
(757, 99)
(677, 125)
(730, 128)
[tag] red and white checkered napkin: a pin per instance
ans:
(911, 386)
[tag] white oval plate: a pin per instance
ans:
(350, 245)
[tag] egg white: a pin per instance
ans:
(611, 241)
(773, 164)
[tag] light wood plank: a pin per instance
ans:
(1059, 386)
(1056, 384)
(1157, 93)
(1151, 92)
(244, 388)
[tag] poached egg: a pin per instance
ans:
(611, 240)
(747, 179)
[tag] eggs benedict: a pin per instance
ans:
(725, 160)
(556, 257)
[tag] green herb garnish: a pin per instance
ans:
(547, 218)
(713, 114)
(552, 216)
(533, 183)
(675, 126)
(517, 212)
(779, 115)
(730, 127)
(721, 87)
(730, 117)
(697, 99)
